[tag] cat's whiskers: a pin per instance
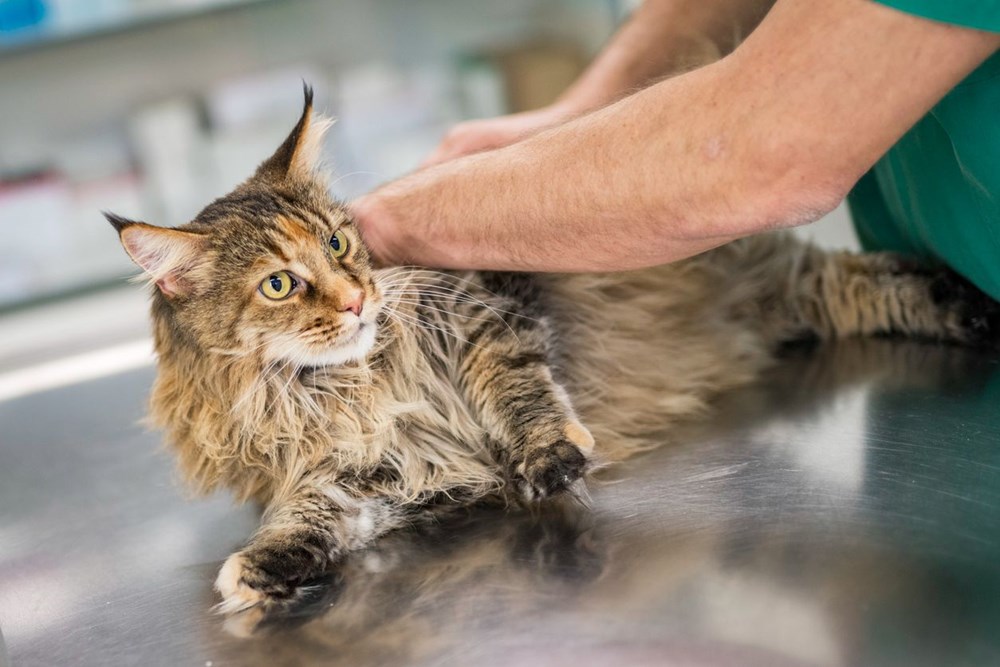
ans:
(416, 320)
(449, 290)
(441, 275)
(419, 289)
(427, 325)
(458, 297)
(450, 313)
(393, 301)
(461, 298)
(471, 300)
(420, 324)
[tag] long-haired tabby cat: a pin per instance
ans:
(351, 401)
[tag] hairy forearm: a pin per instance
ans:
(602, 189)
(662, 37)
(770, 136)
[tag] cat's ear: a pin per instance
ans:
(171, 257)
(298, 157)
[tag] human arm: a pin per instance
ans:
(660, 37)
(771, 136)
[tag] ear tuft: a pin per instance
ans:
(307, 93)
(298, 156)
(118, 222)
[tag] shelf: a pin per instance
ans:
(58, 25)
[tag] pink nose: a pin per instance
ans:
(355, 302)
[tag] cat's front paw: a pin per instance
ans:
(269, 576)
(552, 469)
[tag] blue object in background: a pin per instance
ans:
(18, 15)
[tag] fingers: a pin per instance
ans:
(477, 136)
(468, 138)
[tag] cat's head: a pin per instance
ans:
(276, 267)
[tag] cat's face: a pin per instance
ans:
(275, 268)
(292, 279)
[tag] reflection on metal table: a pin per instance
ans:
(845, 510)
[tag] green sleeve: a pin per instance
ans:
(980, 14)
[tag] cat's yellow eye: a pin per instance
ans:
(339, 244)
(278, 285)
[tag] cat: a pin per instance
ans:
(350, 401)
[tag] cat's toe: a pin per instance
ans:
(268, 577)
(580, 436)
(551, 470)
(237, 594)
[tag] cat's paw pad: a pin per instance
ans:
(267, 576)
(551, 470)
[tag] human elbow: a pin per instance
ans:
(797, 192)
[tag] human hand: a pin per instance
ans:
(475, 136)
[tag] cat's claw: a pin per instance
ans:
(579, 492)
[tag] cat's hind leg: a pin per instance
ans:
(846, 294)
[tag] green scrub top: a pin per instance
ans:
(936, 193)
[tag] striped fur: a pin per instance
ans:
(454, 388)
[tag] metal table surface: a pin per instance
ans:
(845, 510)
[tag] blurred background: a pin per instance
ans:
(152, 108)
(834, 513)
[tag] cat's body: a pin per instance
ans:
(350, 401)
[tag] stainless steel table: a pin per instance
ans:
(845, 510)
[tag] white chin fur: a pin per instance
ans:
(356, 348)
